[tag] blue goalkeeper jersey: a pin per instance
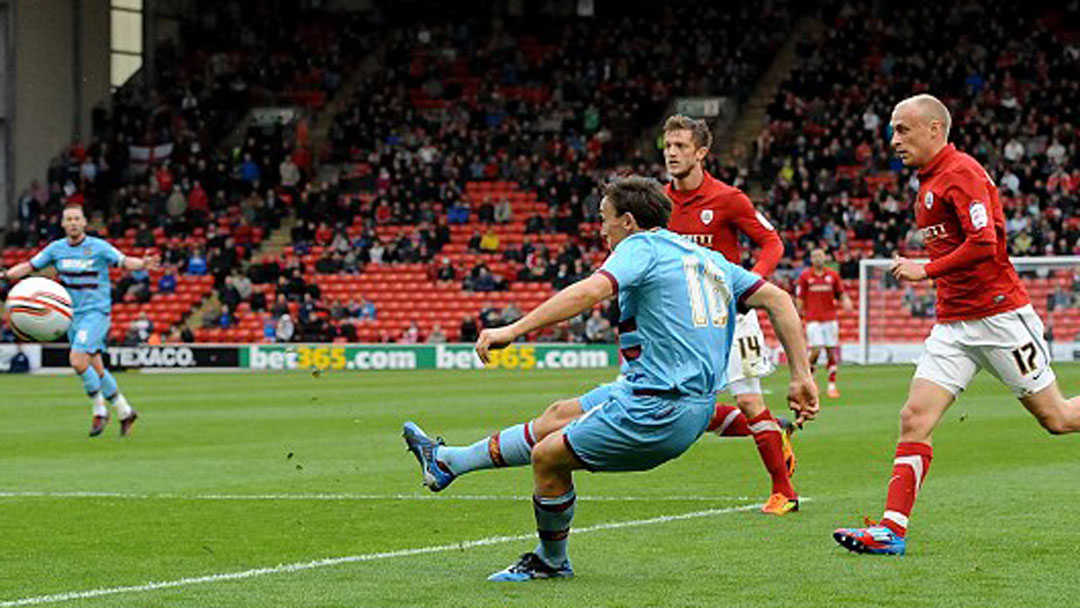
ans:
(83, 270)
(677, 304)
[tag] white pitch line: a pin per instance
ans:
(367, 557)
(347, 496)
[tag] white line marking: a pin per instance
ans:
(367, 557)
(347, 496)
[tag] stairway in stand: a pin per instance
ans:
(738, 145)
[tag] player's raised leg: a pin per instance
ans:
(510, 447)
(1022, 361)
(1054, 412)
(927, 402)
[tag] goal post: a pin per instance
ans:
(895, 319)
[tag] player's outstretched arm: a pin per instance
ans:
(147, 262)
(17, 271)
(802, 392)
(573, 300)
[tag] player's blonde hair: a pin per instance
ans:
(700, 133)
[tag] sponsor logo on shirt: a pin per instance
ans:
(704, 240)
(936, 231)
(74, 265)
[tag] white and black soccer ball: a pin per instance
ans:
(39, 310)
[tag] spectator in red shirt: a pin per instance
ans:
(243, 234)
(164, 177)
(324, 235)
(382, 213)
(198, 201)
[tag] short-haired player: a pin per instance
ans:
(82, 263)
(677, 304)
(984, 316)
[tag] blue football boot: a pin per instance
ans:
(531, 567)
(873, 540)
(436, 476)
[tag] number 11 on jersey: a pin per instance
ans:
(709, 299)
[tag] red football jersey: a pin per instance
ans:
(820, 293)
(963, 225)
(713, 215)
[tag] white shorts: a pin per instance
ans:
(1009, 344)
(822, 333)
(750, 357)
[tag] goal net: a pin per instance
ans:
(895, 319)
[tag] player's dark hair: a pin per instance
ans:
(699, 129)
(641, 196)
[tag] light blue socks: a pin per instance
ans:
(511, 447)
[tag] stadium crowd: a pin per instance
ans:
(824, 158)
(557, 107)
(161, 163)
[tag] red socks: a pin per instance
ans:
(909, 470)
(767, 437)
(728, 421)
(833, 359)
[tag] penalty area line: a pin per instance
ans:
(349, 559)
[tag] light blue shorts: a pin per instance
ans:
(595, 397)
(625, 432)
(88, 331)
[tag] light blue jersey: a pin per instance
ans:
(677, 305)
(83, 270)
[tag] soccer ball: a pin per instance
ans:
(39, 310)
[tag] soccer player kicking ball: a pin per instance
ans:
(83, 261)
(816, 294)
(711, 214)
(677, 307)
(985, 318)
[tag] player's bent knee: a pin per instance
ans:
(79, 361)
(915, 422)
(1056, 424)
(1056, 414)
(750, 404)
(551, 455)
(544, 454)
(556, 416)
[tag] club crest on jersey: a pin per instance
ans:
(929, 200)
(706, 216)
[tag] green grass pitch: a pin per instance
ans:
(996, 523)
